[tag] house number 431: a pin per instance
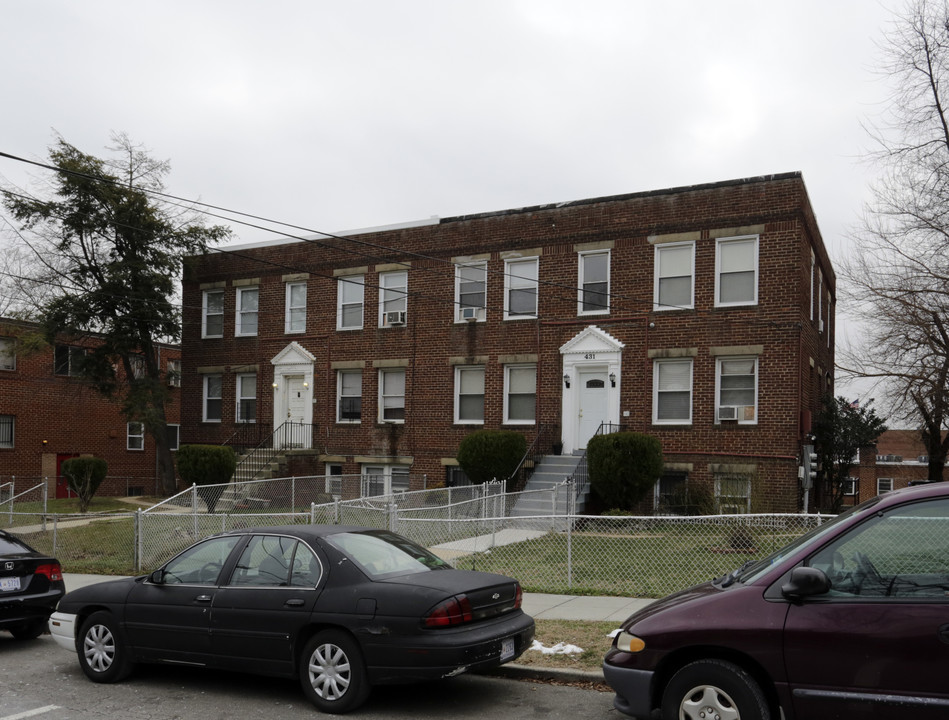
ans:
(590, 356)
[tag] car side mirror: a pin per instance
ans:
(157, 577)
(805, 582)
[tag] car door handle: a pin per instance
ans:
(203, 598)
(944, 634)
(294, 602)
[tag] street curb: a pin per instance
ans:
(533, 672)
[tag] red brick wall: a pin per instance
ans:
(59, 415)
(793, 365)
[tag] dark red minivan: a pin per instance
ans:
(849, 621)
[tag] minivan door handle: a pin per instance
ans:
(944, 634)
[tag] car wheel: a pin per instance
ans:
(713, 689)
(28, 630)
(332, 672)
(103, 655)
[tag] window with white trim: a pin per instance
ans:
(849, 487)
(349, 396)
(732, 494)
(520, 394)
(334, 479)
(520, 288)
(383, 480)
(173, 373)
(884, 485)
(67, 360)
(349, 302)
(212, 314)
(138, 365)
(247, 397)
(674, 276)
(594, 280)
(813, 264)
(7, 426)
(392, 396)
(211, 394)
(469, 395)
(736, 271)
(672, 391)
(173, 431)
(247, 311)
(295, 315)
(471, 291)
(393, 298)
(135, 436)
(7, 353)
(736, 389)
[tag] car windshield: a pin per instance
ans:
(753, 569)
(379, 553)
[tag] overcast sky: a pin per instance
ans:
(346, 115)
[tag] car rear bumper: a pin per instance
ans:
(443, 654)
(633, 688)
(15, 609)
(62, 626)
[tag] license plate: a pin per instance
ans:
(507, 649)
(9, 583)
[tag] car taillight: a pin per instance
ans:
(51, 570)
(453, 611)
(518, 596)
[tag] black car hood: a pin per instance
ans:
(108, 592)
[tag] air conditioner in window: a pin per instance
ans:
(395, 317)
(728, 412)
(469, 313)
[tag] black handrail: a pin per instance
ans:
(525, 468)
(288, 436)
(580, 478)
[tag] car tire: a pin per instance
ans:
(28, 630)
(103, 653)
(714, 688)
(332, 672)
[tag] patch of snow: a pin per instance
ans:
(558, 649)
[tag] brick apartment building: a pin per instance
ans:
(48, 414)
(703, 315)
(899, 458)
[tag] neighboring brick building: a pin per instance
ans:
(703, 315)
(898, 459)
(48, 415)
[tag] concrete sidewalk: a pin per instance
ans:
(541, 606)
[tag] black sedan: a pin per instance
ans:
(31, 584)
(342, 608)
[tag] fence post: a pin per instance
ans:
(293, 493)
(571, 511)
(392, 516)
(312, 513)
(138, 540)
(194, 509)
(55, 530)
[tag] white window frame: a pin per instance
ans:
(334, 479)
(206, 313)
(849, 487)
(880, 485)
(745, 497)
(383, 397)
(813, 266)
(461, 372)
(386, 473)
(741, 419)
(658, 274)
(173, 373)
(9, 420)
(7, 353)
(340, 397)
(135, 436)
(294, 321)
(176, 443)
(508, 420)
(720, 244)
(582, 281)
(137, 363)
(515, 281)
(242, 324)
(356, 283)
(72, 353)
(206, 396)
(657, 390)
(480, 314)
(240, 398)
(393, 295)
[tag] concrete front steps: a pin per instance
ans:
(551, 472)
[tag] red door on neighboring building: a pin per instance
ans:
(62, 487)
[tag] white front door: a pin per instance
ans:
(296, 399)
(593, 404)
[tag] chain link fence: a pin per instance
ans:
(479, 527)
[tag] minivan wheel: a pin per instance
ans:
(713, 690)
(332, 672)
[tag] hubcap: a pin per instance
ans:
(330, 672)
(707, 702)
(99, 648)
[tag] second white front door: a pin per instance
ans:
(592, 404)
(296, 399)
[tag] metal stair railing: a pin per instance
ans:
(580, 477)
(288, 436)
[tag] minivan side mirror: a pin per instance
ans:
(805, 582)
